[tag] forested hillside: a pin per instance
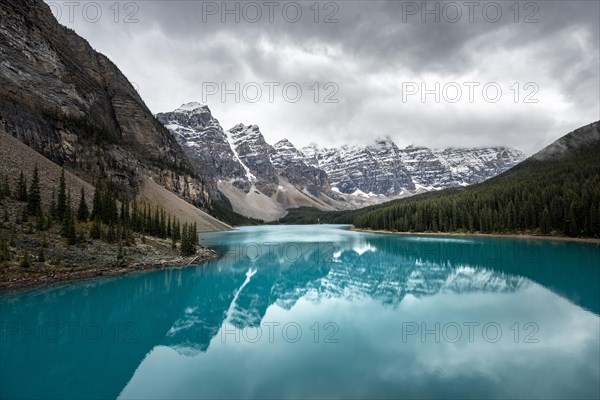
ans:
(557, 191)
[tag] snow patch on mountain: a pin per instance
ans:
(249, 175)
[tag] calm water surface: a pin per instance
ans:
(319, 311)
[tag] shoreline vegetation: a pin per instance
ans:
(55, 236)
(477, 234)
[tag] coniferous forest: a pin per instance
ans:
(560, 197)
(110, 219)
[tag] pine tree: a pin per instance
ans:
(571, 220)
(163, 226)
(156, 223)
(111, 234)
(177, 231)
(120, 253)
(61, 202)
(53, 205)
(184, 245)
(110, 205)
(595, 220)
(189, 239)
(22, 188)
(194, 236)
(124, 215)
(185, 241)
(13, 236)
(97, 202)
(135, 222)
(96, 229)
(34, 197)
(41, 256)
(545, 224)
(68, 229)
(82, 211)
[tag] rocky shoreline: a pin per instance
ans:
(50, 260)
(15, 278)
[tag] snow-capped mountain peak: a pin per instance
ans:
(190, 107)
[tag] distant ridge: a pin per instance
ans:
(554, 192)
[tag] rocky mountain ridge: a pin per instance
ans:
(342, 178)
(385, 169)
(260, 180)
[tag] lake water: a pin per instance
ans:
(319, 311)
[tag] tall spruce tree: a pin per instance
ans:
(68, 230)
(61, 201)
(34, 201)
(185, 241)
(52, 210)
(545, 225)
(97, 202)
(83, 212)
(22, 188)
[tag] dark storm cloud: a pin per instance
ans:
(369, 52)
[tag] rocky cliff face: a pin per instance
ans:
(385, 169)
(241, 155)
(374, 169)
(72, 104)
(289, 162)
(204, 140)
(253, 153)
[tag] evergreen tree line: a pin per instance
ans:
(30, 194)
(189, 239)
(107, 220)
(561, 197)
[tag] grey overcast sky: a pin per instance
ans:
(375, 58)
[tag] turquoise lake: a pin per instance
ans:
(319, 311)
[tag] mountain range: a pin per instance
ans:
(263, 180)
